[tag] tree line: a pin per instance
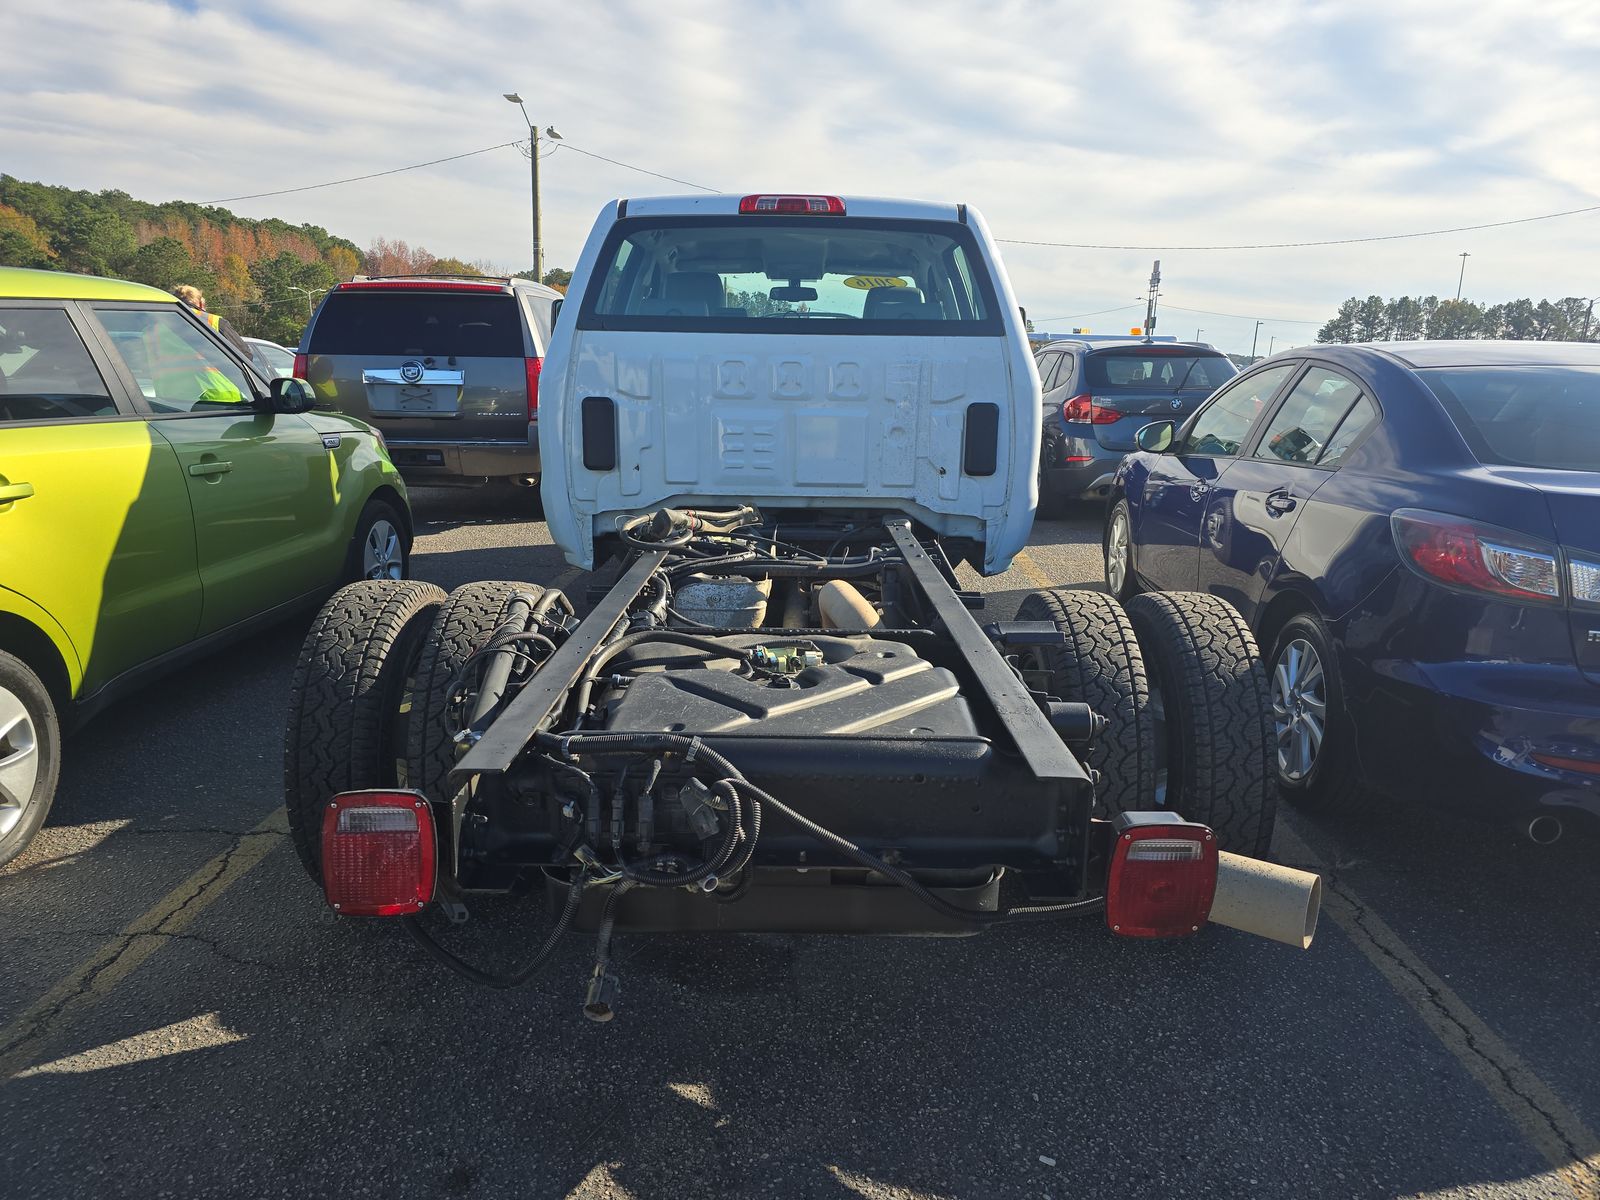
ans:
(1408, 318)
(265, 276)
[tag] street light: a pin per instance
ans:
(1253, 338)
(1462, 277)
(1197, 334)
(310, 292)
(533, 171)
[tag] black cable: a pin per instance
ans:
(517, 978)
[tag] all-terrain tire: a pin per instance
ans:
(30, 755)
(1218, 740)
(465, 622)
(345, 703)
(1101, 665)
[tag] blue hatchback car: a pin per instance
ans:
(1413, 532)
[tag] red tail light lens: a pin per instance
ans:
(1163, 876)
(378, 853)
(1079, 408)
(534, 367)
(813, 206)
(302, 364)
(1085, 408)
(1480, 558)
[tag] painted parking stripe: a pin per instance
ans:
(1024, 563)
(1552, 1128)
(93, 979)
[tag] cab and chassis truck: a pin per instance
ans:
(774, 426)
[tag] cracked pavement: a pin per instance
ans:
(180, 1016)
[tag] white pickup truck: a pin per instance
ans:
(787, 419)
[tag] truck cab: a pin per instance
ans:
(822, 354)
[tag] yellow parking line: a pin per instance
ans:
(1552, 1128)
(94, 978)
(1024, 563)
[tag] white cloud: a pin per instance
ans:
(1195, 123)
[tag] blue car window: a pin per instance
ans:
(1301, 427)
(1356, 422)
(1221, 427)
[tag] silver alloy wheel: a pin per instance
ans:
(1299, 709)
(380, 554)
(1117, 553)
(19, 760)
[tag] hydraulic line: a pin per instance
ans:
(517, 978)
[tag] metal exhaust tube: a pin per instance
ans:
(1545, 830)
(844, 607)
(1265, 899)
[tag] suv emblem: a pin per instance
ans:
(1176, 403)
(1594, 635)
(411, 371)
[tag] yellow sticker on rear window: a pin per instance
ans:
(867, 282)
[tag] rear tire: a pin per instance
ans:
(1304, 666)
(344, 724)
(1101, 665)
(465, 622)
(1119, 553)
(30, 755)
(1218, 734)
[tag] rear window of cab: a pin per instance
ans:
(1156, 368)
(805, 275)
(422, 324)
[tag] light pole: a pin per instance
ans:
(1197, 334)
(1253, 338)
(533, 179)
(310, 292)
(1271, 342)
(1587, 316)
(1462, 277)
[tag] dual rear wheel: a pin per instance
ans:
(1181, 683)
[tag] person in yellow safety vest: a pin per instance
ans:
(196, 299)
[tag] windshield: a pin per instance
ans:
(431, 324)
(807, 274)
(1157, 369)
(1524, 416)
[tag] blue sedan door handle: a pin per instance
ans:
(1279, 503)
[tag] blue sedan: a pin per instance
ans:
(1413, 532)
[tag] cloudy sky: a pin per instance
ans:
(1166, 123)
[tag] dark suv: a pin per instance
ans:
(446, 368)
(1098, 394)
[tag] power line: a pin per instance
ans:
(1244, 317)
(311, 187)
(1387, 237)
(629, 166)
(1095, 313)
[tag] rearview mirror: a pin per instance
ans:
(793, 293)
(1155, 437)
(290, 395)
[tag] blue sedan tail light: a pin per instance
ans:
(1474, 557)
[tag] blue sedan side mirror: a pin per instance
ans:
(1155, 437)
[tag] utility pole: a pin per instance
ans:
(1271, 342)
(1253, 338)
(533, 180)
(1150, 302)
(1197, 334)
(1462, 277)
(1588, 314)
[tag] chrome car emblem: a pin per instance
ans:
(1594, 635)
(1176, 403)
(411, 371)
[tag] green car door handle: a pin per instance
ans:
(209, 469)
(15, 491)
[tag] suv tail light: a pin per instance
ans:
(378, 853)
(418, 285)
(534, 366)
(1163, 875)
(302, 364)
(1084, 408)
(1474, 557)
(811, 206)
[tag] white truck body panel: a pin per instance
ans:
(830, 421)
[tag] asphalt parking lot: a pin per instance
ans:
(181, 1016)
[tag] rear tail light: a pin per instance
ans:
(813, 206)
(1086, 408)
(534, 367)
(1584, 580)
(378, 853)
(302, 364)
(1163, 875)
(1480, 558)
(1584, 766)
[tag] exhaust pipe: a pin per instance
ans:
(844, 607)
(1545, 830)
(1267, 900)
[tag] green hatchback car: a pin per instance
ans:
(157, 498)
